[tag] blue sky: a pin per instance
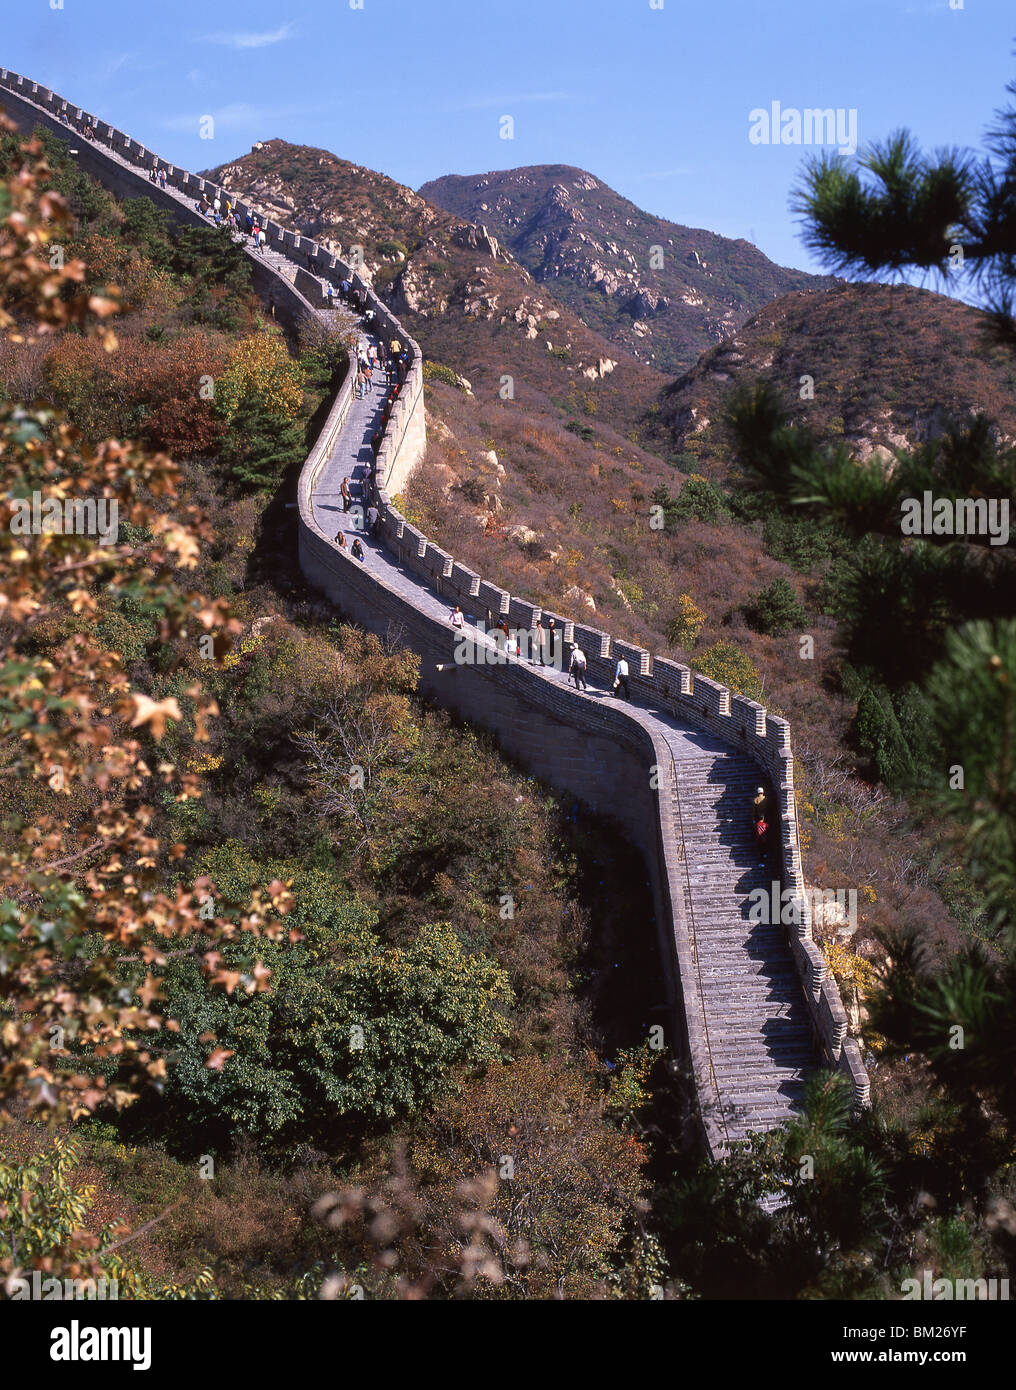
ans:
(654, 102)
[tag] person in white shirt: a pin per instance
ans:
(456, 617)
(621, 678)
(577, 667)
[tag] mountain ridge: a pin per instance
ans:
(664, 291)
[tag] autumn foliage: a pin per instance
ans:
(89, 893)
(160, 392)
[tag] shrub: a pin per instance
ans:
(436, 371)
(260, 372)
(727, 664)
(684, 627)
(700, 500)
(776, 609)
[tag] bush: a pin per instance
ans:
(436, 371)
(686, 624)
(776, 609)
(347, 1027)
(727, 664)
(701, 500)
(391, 248)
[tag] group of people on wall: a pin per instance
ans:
(545, 644)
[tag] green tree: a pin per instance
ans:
(776, 609)
(260, 446)
(349, 1031)
(728, 665)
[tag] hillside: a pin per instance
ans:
(466, 299)
(891, 365)
(590, 244)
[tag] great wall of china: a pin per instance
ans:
(750, 1005)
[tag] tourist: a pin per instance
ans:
(162, 179)
(340, 540)
(396, 347)
(361, 382)
(577, 666)
(457, 619)
(373, 516)
(621, 678)
(376, 440)
(357, 549)
(152, 174)
(545, 652)
(760, 806)
(346, 498)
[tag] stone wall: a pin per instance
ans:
(602, 754)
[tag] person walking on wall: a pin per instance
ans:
(373, 516)
(357, 549)
(162, 179)
(760, 819)
(340, 540)
(346, 496)
(577, 667)
(457, 619)
(621, 678)
(546, 653)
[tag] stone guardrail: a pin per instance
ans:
(689, 696)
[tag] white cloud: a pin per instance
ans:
(264, 40)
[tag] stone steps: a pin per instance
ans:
(758, 1026)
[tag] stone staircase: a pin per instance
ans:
(759, 1034)
(280, 263)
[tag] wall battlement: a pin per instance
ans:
(602, 753)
